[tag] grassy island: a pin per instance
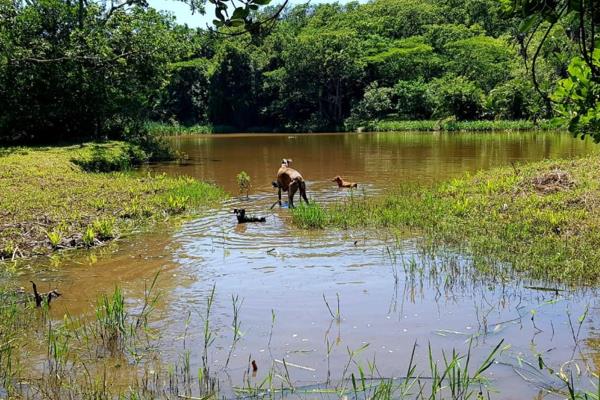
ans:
(81, 196)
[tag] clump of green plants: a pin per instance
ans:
(104, 228)
(176, 204)
(310, 215)
(243, 181)
(112, 317)
(54, 237)
(136, 210)
(452, 125)
(166, 129)
(89, 237)
(110, 157)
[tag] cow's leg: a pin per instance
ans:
(279, 195)
(303, 192)
(291, 192)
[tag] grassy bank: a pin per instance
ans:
(80, 196)
(163, 129)
(451, 125)
(542, 218)
(447, 125)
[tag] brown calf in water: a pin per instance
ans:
(343, 184)
(289, 180)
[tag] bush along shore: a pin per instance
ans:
(541, 220)
(82, 196)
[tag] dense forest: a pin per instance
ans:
(84, 69)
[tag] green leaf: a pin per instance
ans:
(240, 13)
(528, 22)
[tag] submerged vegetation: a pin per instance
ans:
(540, 218)
(50, 201)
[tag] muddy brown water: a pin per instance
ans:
(279, 270)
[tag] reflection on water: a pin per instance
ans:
(391, 294)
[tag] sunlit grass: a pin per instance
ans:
(50, 201)
(543, 229)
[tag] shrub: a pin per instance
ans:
(412, 100)
(456, 96)
(104, 228)
(89, 236)
(243, 180)
(375, 104)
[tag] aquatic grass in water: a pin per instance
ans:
(74, 345)
(451, 125)
(310, 215)
(165, 129)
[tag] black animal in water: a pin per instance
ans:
(242, 219)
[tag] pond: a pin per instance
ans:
(389, 291)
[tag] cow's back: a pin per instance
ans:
(286, 175)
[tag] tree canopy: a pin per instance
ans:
(93, 69)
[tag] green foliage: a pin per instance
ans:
(185, 98)
(70, 70)
(406, 59)
(322, 70)
(166, 129)
(232, 88)
(456, 96)
(333, 66)
(104, 228)
(82, 208)
(89, 237)
(412, 100)
(576, 99)
(513, 100)
(481, 59)
(176, 204)
(77, 69)
(112, 317)
(310, 216)
(452, 125)
(375, 104)
(111, 157)
(243, 180)
(54, 237)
